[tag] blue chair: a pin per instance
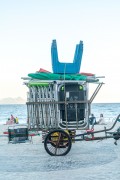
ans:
(66, 68)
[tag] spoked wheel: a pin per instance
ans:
(57, 143)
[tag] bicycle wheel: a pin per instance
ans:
(57, 143)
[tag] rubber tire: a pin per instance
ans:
(69, 143)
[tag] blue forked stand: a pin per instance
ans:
(67, 68)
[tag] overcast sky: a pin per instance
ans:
(27, 28)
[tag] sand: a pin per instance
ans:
(86, 161)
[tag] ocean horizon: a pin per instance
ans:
(109, 110)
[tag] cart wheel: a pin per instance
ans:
(57, 143)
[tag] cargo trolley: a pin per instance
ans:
(59, 109)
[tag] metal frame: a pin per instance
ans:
(115, 135)
(58, 132)
(43, 105)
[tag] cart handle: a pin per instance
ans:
(104, 130)
(117, 120)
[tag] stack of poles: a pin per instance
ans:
(42, 110)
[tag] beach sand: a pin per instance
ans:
(86, 160)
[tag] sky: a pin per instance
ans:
(27, 28)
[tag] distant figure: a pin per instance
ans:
(101, 119)
(17, 122)
(92, 121)
(12, 119)
(8, 121)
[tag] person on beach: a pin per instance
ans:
(16, 119)
(12, 119)
(92, 121)
(101, 119)
(8, 121)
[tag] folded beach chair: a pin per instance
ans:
(66, 68)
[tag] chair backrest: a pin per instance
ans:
(75, 93)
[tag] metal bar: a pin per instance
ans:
(94, 138)
(96, 91)
(58, 102)
(94, 132)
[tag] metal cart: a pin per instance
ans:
(59, 108)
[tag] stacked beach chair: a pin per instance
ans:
(59, 99)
